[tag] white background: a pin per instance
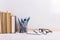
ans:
(43, 13)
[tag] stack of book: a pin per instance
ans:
(6, 22)
(12, 24)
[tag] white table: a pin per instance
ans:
(24, 36)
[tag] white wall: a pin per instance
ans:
(43, 13)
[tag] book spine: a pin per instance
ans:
(4, 23)
(8, 18)
(17, 25)
(13, 24)
(1, 22)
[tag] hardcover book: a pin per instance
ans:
(8, 22)
(1, 22)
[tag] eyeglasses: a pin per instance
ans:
(40, 31)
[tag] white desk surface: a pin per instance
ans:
(24, 36)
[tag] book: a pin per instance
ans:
(13, 24)
(8, 22)
(4, 22)
(17, 25)
(1, 22)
